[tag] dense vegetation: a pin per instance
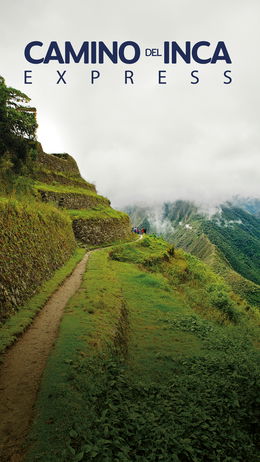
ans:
(17, 132)
(238, 239)
(151, 364)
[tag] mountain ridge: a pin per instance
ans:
(228, 240)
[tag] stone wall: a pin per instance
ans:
(35, 241)
(73, 200)
(96, 231)
(58, 162)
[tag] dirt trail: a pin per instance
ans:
(23, 365)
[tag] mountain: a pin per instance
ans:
(156, 357)
(228, 239)
(251, 205)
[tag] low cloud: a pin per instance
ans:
(146, 142)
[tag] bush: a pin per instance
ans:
(207, 412)
(222, 301)
(17, 128)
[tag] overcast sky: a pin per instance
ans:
(145, 142)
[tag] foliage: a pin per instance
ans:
(149, 251)
(17, 128)
(239, 242)
(221, 300)
(67, 189)
(21, 187)
(231, 340)
(194, 324)
(131, 421)
(120, 418)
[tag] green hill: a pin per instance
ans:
(156, 360)
(229, 240)
(251, 205)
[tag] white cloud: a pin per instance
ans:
(146, 143)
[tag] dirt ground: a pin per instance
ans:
(23, 365)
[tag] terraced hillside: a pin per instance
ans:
(58, 181)
(40, 218)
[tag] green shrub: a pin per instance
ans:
(149, 252)
(222, 301)
(205, 413)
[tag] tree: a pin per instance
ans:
(17, 128)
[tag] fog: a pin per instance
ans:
(146, 143)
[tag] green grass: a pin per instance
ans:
(150, 300)
(99, 211)
(18, 323)
(88, 327)
(200, 287)
(138, 374)
(147, 251)
(60, 188)
(131, 239)
(75, 178)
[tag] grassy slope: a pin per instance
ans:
(100, 211)
(149, 366)
(229, 242)
(239, 242)
(61, 188)
(56, 177)
(199, 244)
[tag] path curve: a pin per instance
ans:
(23, 365)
